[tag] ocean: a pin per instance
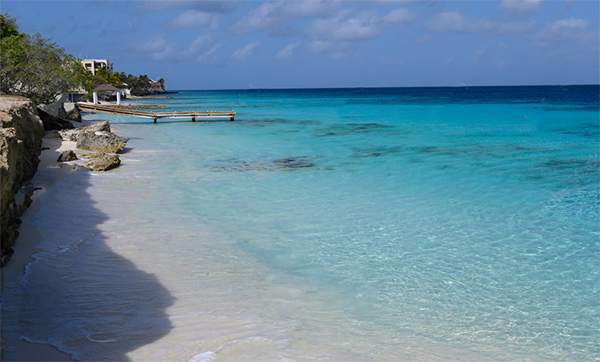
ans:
(393, 224)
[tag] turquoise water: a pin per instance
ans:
(348, 224)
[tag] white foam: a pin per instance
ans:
(203, 357)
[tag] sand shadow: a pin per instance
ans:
(82, 297)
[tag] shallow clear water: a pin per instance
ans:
(361, 224)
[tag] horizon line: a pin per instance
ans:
(390, 87)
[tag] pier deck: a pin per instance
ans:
(155, 115)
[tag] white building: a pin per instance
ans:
(94, 64)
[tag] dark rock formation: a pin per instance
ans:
(67, 156)
(21, 132)
(103, 162)
(74, 115)
(62, 113)
(52, 122)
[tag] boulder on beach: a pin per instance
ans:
(101, 141)
(95, 137)
(67, 156)
(71, 134)
(103, 162)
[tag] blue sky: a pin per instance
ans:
(328, 43)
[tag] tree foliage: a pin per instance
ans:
(34, 67)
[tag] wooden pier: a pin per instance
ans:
(113, 109)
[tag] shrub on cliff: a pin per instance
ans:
(34, 67)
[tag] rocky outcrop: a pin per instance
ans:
(52, 122)
(95, 137)
(72, 134)
(74, 115)
(103, 162)
(21, 132)
(101, 142)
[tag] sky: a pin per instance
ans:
(229, 44)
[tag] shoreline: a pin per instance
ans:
(63, 218)
(31, 242)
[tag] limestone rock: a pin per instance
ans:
(52, 122)
(101, 141)
(94, 155)
(72, 134)
(67, 156)
(103, 163)
(21, 132)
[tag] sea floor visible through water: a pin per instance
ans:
(358, 225)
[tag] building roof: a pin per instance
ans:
(105, 87)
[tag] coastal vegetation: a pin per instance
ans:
(37, 68)
(34, 67)
(138, 85)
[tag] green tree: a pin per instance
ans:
(123, 78)
(87, 80)
(102, 76)
(34, 67)
(8, 26)
(115, 80)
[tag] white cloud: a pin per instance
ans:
(260, 18)
(565, 30)
(201, 42)
(209, 54)
(193, 19)
(308, 8)
(519, 7)
(286, 53)
(271, 14)
(319, 46)
(334, 50)
(348, 25)
(161, 49)
(212, 6)
(246, 51)
(454, 21)
(167, 54)
(446, 21)
(399, 16)
(156, 44)
(158, 48)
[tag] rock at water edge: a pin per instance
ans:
(103, 163)
(67, 156)
(101, 142)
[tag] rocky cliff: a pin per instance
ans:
(21, 133)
